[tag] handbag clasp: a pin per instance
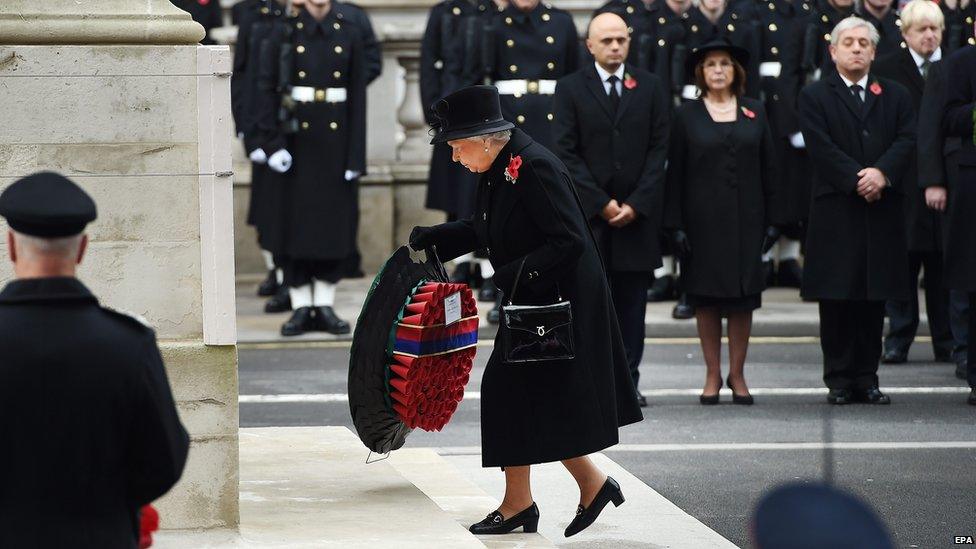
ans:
(541, 330)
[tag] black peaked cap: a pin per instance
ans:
(47, 205)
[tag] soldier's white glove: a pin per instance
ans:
(280, 161)
(350, 175)
(258, 156)
(797, 141)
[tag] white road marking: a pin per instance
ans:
(751, 446)
(650, 393)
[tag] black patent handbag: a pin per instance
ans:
(534, 333)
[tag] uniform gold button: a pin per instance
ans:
(661, 21)
(338, 49)
(456, 11)
(630, 30)
(735, 16)
(439, 64)
(772, 27)
(824, 18)
(774, 50)
(731, 27)
(508, 20)
(771, 5)
(304, 125)
(265, 11)
(775, 97)
(301, 74)
(510, 43)
(630, 9)
(336, 74)
(550, 65)
(550, 117)
(660, 42)
(336, 26)
(545, 17)
(903, 45)
(898, 23)
(694, 28)
(969, 20)
(806, 7)
(513, 68)
(971, 41)
(827, 37)
(333, 125)
(520, 119)
(300, 25)
(300, 49)
(550, 40)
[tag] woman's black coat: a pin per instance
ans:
(545, 411)
(856, 250)
(719, 191)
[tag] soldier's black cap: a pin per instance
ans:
(471, 111)
(47, 205)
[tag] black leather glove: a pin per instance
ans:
(421, 238)
(682, 246)
(770, 238)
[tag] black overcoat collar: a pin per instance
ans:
(847, 97)
(498, 184)
(40, 290)
(907, 64)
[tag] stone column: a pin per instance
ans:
(116, 95)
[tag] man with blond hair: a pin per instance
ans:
(860, 132)
(922, 25)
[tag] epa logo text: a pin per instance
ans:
(964, 540)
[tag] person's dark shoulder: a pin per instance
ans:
(892, 88)
(753, 105)
(572, 81)
(643, 76)
(886, 64)
(558, 14)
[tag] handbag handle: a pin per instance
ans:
(518, 275)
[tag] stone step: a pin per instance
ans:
(646, 519)
(311, 487)
(457, 495)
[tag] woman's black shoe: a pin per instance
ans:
(708, 400)
(495, 523)
(585, 516)
(739, 399)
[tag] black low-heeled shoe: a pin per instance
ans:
(585, 516)
(495, 523)
(708, 400)
(739, 399)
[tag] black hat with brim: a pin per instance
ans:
(469, 112)
(741, 55)
(47, 205)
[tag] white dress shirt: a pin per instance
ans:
(936, 56)
(604, 75)
(863, 82)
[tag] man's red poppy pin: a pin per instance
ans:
(511, 172)
(629, 82)
(875, 88)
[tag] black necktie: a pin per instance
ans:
(614, 96)
(856, 90)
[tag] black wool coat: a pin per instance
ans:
(960, 227)
(319, 208)
(552, 410)
(206, 12)
(720, 187)
(856, 250)
(87, 418)
(923, 225)
(616, 156)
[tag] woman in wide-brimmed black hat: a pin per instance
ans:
(719, 193)
(528, 218)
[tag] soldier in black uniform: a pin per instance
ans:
(312, 101)
(959, 18)
(812, 44)
(882, 14)
(641, 19)
(205, 12)
(89, 428)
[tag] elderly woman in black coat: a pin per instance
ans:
(528, 217)
(719, 188)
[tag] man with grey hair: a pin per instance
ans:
(87, 419)
(860, 132)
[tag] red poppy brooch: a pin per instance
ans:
(511, 172)
(629, 81)
(749, 114)
(875, 88)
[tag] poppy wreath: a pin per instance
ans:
(430, 361)
(148, 523)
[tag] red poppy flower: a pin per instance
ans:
(148, 523)
(630, 82)
(511, 172)
(203, 2)
(875, 88)
(748, 113)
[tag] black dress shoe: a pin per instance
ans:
(708, 400)
(789, 274)
(495, 523)
(839, 396)
(269, 285)
(278, 303)
(641, 400)
(683, 310)
(327, 321)
(662, 289)
(769, 273)
(488, 291)
(894, 357)
(972, 397)
(585, 516)
(301, 321)
(943, 357)
(961, 371)
(739, 399)
(871, 396)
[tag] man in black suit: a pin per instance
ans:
(921, 27)
(860, 132)
(611, 131)
(89, 429)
